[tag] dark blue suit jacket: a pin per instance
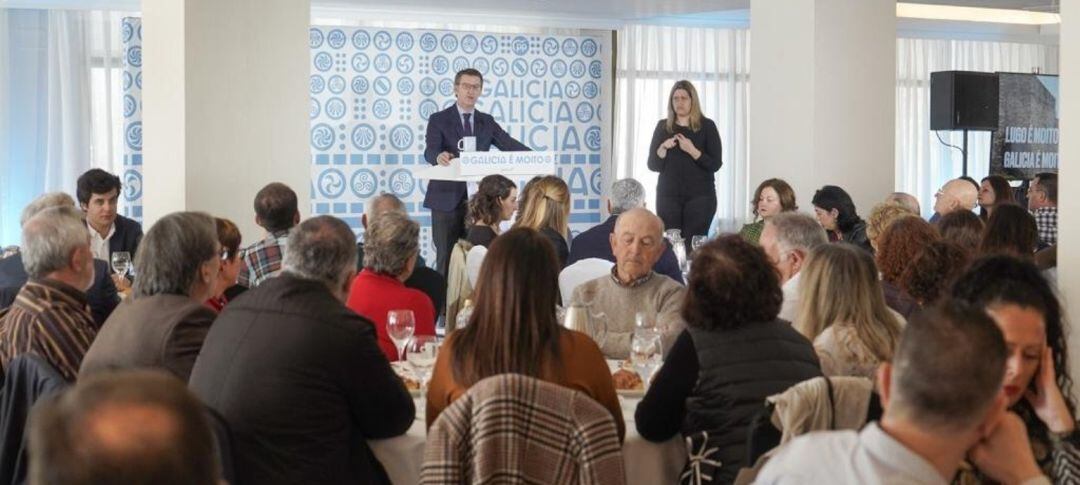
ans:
(102, 297)
(443, 132)
(595, 243)
(127, 236)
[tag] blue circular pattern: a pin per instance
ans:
(551, 46)
(360, 62)
(128, 31)
(138, 78)
(469, 44)
(595, 69)
(134, 56)
(401, 137)
(363, 137)
(315, 108)
(592, 139)
(133, 136)
(572, 89)
(404, 41)
(488, 45)
(315, 38)
(519, 67)
(363, 183)
(585, 112)
(427, 86)
(335, 108)
(359, 85)
(381, 108)
(520, 45)
(405, 63)
(500, 67)
(460, 63)
(382, 40)
(449, 43)
(127, 80)
(569, 47)
(336, 38)
(322, 137)
(446, 87)
(577, 69)
(428, 108)
(596, 180)
(558, 68)
(361, 39)
(402, 182)
(323, 61)
(588, 48)
(132, 185)
(590, 90)
(383, 63)
(439, 65)
(130, 105)
(336, 84)
(428, 42)
(317, 84)
(538, 68)
(331, 183)
(405, 86)
(382, 85)
(481, 64)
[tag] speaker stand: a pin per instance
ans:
(964, 152)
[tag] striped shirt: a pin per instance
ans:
(49, 319)
(263, 259)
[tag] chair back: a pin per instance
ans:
(574, 275)
(458, 288)
(27, 379)
(473, 260)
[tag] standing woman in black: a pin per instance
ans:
(686, 151)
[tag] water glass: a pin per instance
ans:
(697, 242)
(422, 352)
(400, 325)
(120, 262)
(645, 353)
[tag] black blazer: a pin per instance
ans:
(127, 236)
(102, 297)
(443, 133)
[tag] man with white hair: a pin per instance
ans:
(788, 239)
(905, 199)
(626, 194)
(956, 195)
(50, 317)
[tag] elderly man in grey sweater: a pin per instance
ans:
(633, 286)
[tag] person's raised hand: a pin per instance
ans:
(686, 145)
(1005, 455)
(1046, 399)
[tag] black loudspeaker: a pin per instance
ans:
(963, 100)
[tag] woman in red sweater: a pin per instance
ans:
(391, 248)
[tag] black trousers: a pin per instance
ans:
(692, 215)
(446, 228)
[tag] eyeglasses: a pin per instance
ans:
(470, 87)
(224, 254)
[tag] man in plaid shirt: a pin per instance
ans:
(1042, 202)
(276, 211)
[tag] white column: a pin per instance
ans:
(225, 105)
(823, 96)
(1069, 177)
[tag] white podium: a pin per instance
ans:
(473, 166)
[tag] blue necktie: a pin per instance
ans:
(467, 126)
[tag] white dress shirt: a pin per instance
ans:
(100, 245)
(789, 309)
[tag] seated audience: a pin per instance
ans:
(495, 201)
(844, 314)
(275, 211)
(787, 240)
(963, 228)
(881, 216)
(164, 321)
(1037, 382)
(50, 317)
(932, 272)
(956, 195)
(836, 213)
(98, 192)
(1043, 204)
(297, 376)
(1010, 230)
(391, 249)
(595, 242)
(772, 197)
(994, 190)
(733, 355)
(633, 286)
(226, 287)
(545, 207)
(134, 427)
(422, 278)
(102, 295)
(905, 199)
(943, 403)
(898, 247)
(513, 329)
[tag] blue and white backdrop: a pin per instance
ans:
(373, 89)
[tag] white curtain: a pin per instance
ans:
(923, 163)
(717, 61)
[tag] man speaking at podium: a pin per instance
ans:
(445, 198)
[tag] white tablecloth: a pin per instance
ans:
(646, 462)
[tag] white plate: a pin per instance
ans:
(632, 393)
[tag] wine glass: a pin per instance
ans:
(697, 242)
(121, 262)
(645, 353)
(598, 328)
(400, 325)
(423, 349)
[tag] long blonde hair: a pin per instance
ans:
(839, 285)
(695, 106)
(545, 203)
